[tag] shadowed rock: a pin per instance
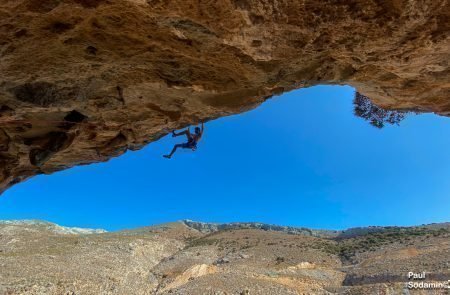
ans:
(53, 143)
(182, 62)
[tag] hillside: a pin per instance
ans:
(198, 258)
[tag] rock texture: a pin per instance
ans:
(82, 81)
(232, 259)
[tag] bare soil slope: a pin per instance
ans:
(181, 258)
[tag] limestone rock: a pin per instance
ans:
(84, 80)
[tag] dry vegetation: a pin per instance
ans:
(182, 258)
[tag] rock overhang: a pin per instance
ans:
(84, 80)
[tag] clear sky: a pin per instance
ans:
(301, 159)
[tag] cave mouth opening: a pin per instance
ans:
(293, 159)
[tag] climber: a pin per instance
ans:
(192, 140)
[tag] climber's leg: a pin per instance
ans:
(185, 132)
(175, 147)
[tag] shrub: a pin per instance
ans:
(377, 116)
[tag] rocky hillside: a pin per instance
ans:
(248, 258)
(215, 227)
(82, 81)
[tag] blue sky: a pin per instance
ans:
(300, 159)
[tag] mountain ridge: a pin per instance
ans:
(212, 227)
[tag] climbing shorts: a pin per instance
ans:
(189, 145)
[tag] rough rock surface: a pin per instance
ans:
(233, 259)
(82, 81)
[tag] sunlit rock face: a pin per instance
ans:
(84, 80)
